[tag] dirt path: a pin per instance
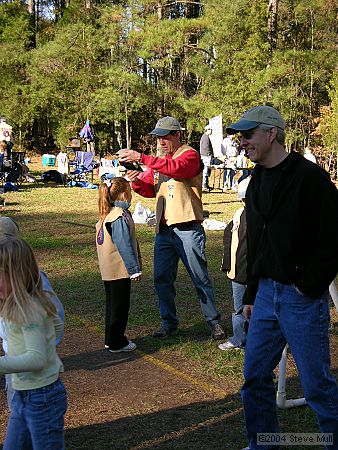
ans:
(136, 401)
(153, 401)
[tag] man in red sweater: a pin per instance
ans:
(176, 181)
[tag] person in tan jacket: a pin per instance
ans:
(119, 259)
(234, 264)
(176, 182)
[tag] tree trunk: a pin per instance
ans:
(31, 7)
(127, 126)
(159, 10)
(272, 23)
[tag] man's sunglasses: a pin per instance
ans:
(247, 134)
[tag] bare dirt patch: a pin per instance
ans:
(126, 401)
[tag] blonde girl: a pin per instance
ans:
(119, 259)
(32, 326)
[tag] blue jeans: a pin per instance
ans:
(283, 315)
(184, 241)
(229, 178)
(37, 419)
(238, 321)
(245, 174)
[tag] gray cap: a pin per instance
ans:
(257, 116)
(8, 228)
(165, 125)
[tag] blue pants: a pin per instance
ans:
(37, 419)
(229, 178)
(283, 315)
(245, 174)
(238, 321)
(185, 242)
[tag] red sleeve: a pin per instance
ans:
(187, 165)
(145, 184)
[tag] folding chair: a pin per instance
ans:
(83, 165)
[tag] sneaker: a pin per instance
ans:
(228, 346)
(217, 332)
(163, 332)
(106, 346)
(128, 348)
(246, 448)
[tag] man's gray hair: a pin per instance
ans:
(280, 136)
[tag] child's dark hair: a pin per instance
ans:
(110, 193)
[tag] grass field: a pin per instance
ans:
(59, 222)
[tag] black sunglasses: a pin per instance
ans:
(247, 134)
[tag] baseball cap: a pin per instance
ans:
(242, 187)
(257, 116)
(165, 125)
(8, 228)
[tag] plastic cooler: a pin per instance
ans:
(48, 160)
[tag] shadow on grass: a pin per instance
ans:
(101, 358)
(204, 425)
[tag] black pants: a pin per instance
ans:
(117, 309)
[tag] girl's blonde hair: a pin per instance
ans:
(109, 194)
(27, 302)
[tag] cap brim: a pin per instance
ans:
(160, 132)
(241, 125)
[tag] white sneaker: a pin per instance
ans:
(128, 348)
(228, 346)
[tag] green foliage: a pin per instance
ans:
(329, 123)
(15, 37)
(127, 62)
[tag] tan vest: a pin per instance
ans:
(110, 262)
(179, 201)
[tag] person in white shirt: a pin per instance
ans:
(309, 155)
(230, 150)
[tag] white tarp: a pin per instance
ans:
(216, 136)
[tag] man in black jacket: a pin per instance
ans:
(292, 223)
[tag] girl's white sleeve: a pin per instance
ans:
(35, 355)
(59, 328)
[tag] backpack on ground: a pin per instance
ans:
(53, 176)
